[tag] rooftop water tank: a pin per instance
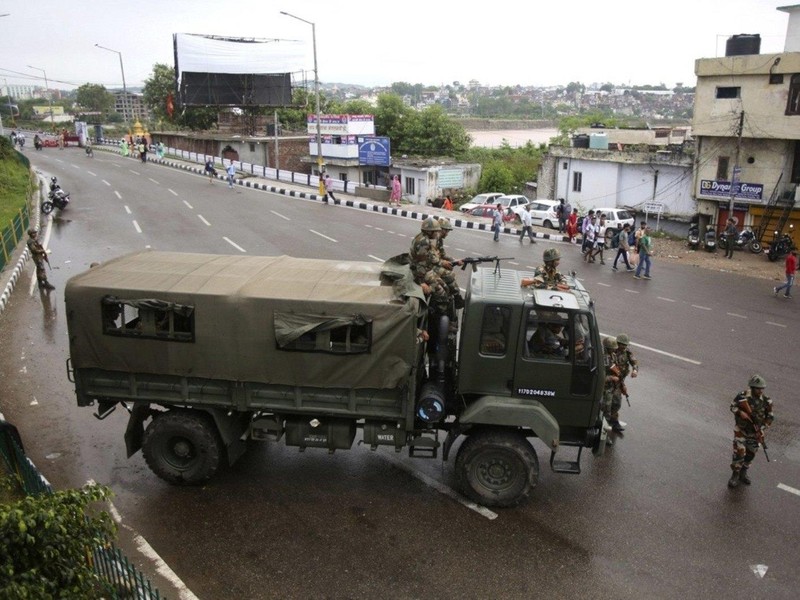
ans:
(743, 44)
(580, 141)
(598, 141)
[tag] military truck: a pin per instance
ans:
(208, 351)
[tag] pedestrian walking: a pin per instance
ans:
(329, 189)
(397, 192)
(143, 150)
(791, 269)
(572, 225)
(497, 221)
(231, 171)
(731, 234)
(585, 225)
(600, 239)
(39, 256)
(623, 247)
(645, 252)
(752, 410)
(562, 212)
(210, 170)
(527, 224)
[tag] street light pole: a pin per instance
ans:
(124, 87)
(316, 92)
(49, 97)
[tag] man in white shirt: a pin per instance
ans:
(527, 223)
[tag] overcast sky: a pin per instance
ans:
(502, 42)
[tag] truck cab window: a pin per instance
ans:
(547, 335)
(494, 330)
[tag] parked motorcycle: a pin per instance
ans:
(744, 239)
(57, 198)
(693, 237)
(710, 239)
(781, 245)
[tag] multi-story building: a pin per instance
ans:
(131, 106)
(747, 130)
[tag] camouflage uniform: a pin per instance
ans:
(445, 273)
(547, 276)
(749, 433)
(612, 383)
(627, 364)
(426, 265)
(39, 257)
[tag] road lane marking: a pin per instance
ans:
(439, 487)
(136, 225)
(657, 351)
(665, 299)
(128, 210)
(92, 174)
(375, 258)
(323, 235)
(603, 284)
(189, 205)
(775, 324)
(700, 307)
(116, 165)
(632, 291)
(378, 228)
(277, 214)
(516, 264)
(118, 194)
(108, 184)
(402, 235)
(203, 220)
(234, 244)
(173, 192)
(736, 315)
(791, 490)
(75, 166)
(134, 172)
(530, 267)
(153, 180)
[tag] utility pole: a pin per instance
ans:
(736, 169)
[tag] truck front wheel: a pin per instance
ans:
(182, 448)
(497, 468)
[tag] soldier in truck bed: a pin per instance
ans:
(425, 260)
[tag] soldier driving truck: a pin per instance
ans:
(209, 351)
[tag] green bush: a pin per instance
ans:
(15, 183)
(47, 541)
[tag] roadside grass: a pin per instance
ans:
(15, 183)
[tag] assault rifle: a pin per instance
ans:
(760, 439)
(483, 259)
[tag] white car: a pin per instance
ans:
(543, 212)
(616, 217)
(512, 203)
(480, 200)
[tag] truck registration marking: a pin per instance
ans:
(534, 392)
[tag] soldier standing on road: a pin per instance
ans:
(547, 276)
(753, 413)
(628, 365)
(612, 382)
(527, 223)
(39, 256)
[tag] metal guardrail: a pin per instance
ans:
(12, 233)
(124, 579)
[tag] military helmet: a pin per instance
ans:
(431, 224)
(757, 381)
(32, 231)
(610, 343)
(623, 338)
(445, 224)
(551, 254)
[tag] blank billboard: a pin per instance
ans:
(229, 89)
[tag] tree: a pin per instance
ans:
(94, 97)
(496, 176)
(156, 91)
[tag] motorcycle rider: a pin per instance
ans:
(731, 236)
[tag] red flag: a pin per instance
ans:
(170, 105)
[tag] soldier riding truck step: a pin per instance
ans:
(208, 351)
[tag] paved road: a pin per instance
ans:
(652, 518)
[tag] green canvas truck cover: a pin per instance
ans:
(247, 313)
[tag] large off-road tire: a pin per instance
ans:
(182, 447)
(496, 467)
(47, 207)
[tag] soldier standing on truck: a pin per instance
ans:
(425, 260)
(39, 256)
(446, 273)
(547, 275)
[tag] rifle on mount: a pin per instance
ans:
(483, 259)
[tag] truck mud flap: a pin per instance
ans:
(134, 432)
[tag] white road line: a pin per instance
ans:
(277, 214)
(147, 550)
(402, 235)
(173, 192)
(736, 315)
(134, 172)
(630, 291)
(136, 225)
(203, 220)
(153, 180)
(791, 490)
(530, 267)
(323, 235)
(665, 299)
(128, 210)
(116, 165)
(118, 194)
(370, 226)
(700, 307)
(189, 205)
(775, 324)
(378, 228)
(375, 258)
(516, 264)
(663, 353)
(108, 184)
(75, 167)
(92, 174)
(234, 244)
(460, 249)
(603, 284)
(439, 487)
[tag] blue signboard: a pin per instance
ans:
(722, 189)
(374, 150)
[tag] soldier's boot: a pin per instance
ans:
(616, 426)
(743, 476)
(734, 480)
(46, 285)
(458, 301)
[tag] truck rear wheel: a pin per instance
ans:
(182, 447)
(497, 468)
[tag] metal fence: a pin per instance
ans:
(125, 581)
(12, 233)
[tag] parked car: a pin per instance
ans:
(513, 202)
(480, 200)
(616, 217)
(543, 212)
(487, 210)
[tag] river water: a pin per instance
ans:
(514, 137)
